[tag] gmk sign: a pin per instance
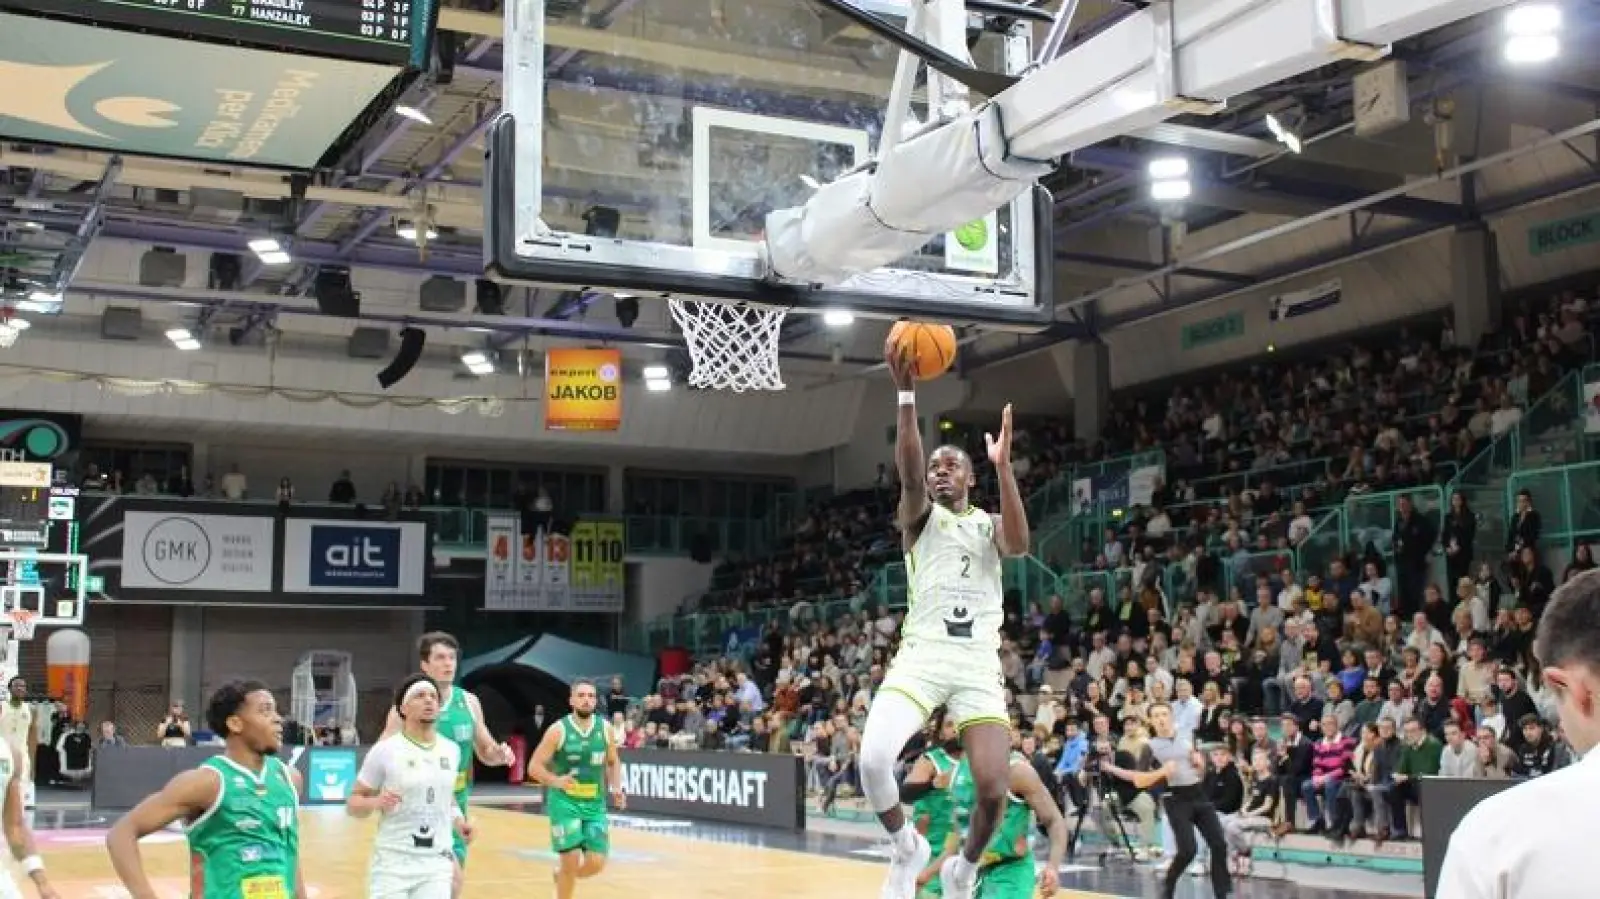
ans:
(183, 551)
(733, 787)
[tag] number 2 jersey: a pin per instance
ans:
(247, 844)
(955, 597)
(424, 776)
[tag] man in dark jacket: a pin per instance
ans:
(1413, 539)
(1294, 769)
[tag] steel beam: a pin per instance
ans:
(69, 262)
(1141, 266)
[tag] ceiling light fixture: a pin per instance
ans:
(478, 362)
(838, 318)
(412, 113)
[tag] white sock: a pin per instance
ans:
(963, 870)
(904, 839)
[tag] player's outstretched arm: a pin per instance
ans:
(614, 782)
(909, 460)
(1025, 783)
(1012, 536)
(299, 784)
(185, 797)
(488, 750)
(20, 838)
(918, 782)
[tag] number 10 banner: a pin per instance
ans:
(546, 572)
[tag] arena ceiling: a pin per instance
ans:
(1114, 244)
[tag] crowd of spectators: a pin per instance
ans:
(1325, 692)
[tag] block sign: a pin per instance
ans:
(583, 390)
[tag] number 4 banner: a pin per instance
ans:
(543, 572)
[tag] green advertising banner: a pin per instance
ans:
(124, 92)
(1563, 234)
(1213, 330)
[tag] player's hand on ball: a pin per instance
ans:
(1000, 447)
(1049, 882)
(388, 801)
(900, 363)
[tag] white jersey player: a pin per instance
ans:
(409, 778)
(950, 643)
(19, 837)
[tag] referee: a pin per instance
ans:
(1535, 840)
(1187, 806)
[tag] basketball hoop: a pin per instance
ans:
(732, 346)
(23, 622)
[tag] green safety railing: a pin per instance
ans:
(1370, 517)
(1325, 543)
(1568, 500)
(1557, 406)
(1252, 478)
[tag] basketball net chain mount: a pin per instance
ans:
(1173, 57)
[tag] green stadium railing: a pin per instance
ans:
(1325, 543)
(1568, 500)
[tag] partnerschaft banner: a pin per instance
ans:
(730, 787)
(126, 92)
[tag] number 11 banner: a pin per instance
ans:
(544, 572)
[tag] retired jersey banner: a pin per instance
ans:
(549, 572)
(583, 390)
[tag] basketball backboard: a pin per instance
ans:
(643, 144)
(53, 586)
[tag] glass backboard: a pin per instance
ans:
(643, 145)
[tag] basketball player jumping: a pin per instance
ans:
(409, 779)
(573, 761)
(460, 721)
(950, 643)
(241, 809)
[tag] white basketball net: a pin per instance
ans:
(22, 623)
(732, 346)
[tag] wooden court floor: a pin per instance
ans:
(510, 856)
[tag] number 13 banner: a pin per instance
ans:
(542, 572)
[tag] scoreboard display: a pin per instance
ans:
(25, 503)
(381, 31)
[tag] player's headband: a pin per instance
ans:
(414, 689)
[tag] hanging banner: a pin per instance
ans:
(545, 572)
(583, 390)
(1296, 303)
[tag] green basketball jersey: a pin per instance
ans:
(456, 724)
(583, 755)
(1012, 837)
(935, 805)
(247, 845)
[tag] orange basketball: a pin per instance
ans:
(931, 347)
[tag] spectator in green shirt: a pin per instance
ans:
(1419, 758)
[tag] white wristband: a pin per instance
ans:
(908, 398)
(32, 864)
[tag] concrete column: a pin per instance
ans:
(186, 658)
(200, 463)
(616, 504)
(1475, 282)
(1091, 387)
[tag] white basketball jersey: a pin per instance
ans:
(425, 779)
(953, 573)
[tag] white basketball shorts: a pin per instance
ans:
(968, 682)
(397, 875)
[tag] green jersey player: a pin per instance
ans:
(575, 761)
(1006, 868)
(240, 807)
(927, 789)
(460, 722)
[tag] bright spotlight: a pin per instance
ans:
(1167, 167)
